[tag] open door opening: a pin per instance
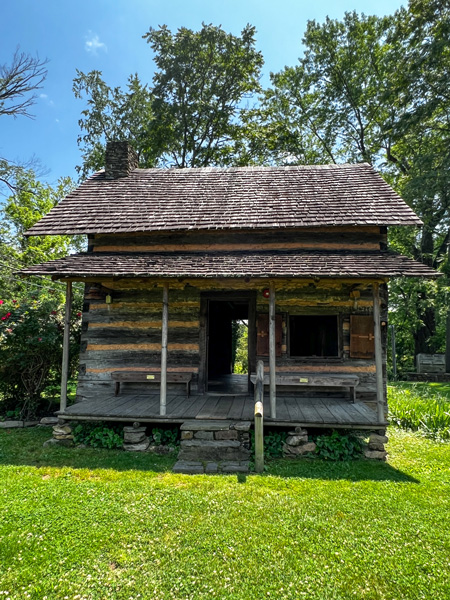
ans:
(227, 348)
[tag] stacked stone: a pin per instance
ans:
(214, 447)
(135, 438)
(375, 448)
(297, 443)
(62, 435)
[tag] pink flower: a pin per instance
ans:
(53, 312)
(14, 301)
(39, 339)
(3, 318)
(1, 301)
(78, 314)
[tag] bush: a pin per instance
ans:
(273, 443)
(165, 437)
(338, 446)
(98, 435)
(31, 335)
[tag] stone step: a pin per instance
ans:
(210, 443)
(214, 453)
(193, 467)
(206, 425)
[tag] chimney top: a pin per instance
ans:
(120, 160)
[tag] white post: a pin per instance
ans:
(272, 354)
(66, 348)
(259, 417)
(165, 324)
(378, 352)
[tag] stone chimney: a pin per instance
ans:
(120, 160)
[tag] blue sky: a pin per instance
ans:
(106, 35)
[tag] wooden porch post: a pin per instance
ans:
(272, 353)
(378, 352)
(165, 326)
(66, 347)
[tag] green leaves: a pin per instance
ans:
(338, 446)
(112, 114)
(98, 435)
(191, 115)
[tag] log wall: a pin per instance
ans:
(324, 238)
(126, 334)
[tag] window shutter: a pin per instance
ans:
(262, 327)
(362, 343)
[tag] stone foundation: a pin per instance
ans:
(135, 438)
(375, 448)
(297, 444)
(214, 447)
(62, 434)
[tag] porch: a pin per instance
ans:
(292, 410)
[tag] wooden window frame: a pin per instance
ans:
(339, 320)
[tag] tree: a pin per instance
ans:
(373, 89)
(202, 79)
(31, 310)
(191, 115)
(112, 114)
(19, 81)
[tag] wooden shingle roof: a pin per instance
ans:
(234, 264)
(236, 198)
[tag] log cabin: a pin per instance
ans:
(175, 256)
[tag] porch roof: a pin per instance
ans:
(234, 264)
(235, 198)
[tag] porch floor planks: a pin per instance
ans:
(294, 410)
(362, 410)
(248, 411)
(237, 408)
(176, 406)
(106, 407)
(353, 415)
(338, 413)
(208, 410)
(312, 415)
(223, 407)
(193, 407)
(141, 404)
(306, 411)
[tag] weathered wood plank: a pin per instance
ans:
(223, 407)
(209, 408)
(236, 408)
(192, 408)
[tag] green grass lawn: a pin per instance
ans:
(421, 406)
(427, 389)
(108, 524)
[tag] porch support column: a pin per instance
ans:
(66, 347)
(272, 353)
(165, 327)
(378, 352)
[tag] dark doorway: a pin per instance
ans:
(223, 369)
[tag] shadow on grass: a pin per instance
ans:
(24, 447)
(353, 470)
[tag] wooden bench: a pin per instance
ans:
(313, 380)
(143, 376)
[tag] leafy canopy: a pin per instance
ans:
(190, 116)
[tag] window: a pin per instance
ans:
(314, 335)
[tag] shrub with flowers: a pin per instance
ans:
(31, 335)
